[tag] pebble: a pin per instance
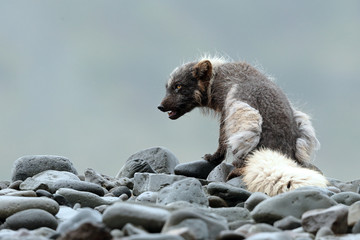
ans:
(135, 166)
(220, 172)
(354, 213)
(345, 187)
(154, 236)
(346, 198)
(197, 169)
(293, 203)
(334, 217)
(22, 194)
(28, 166)
(10, 205)
(188, 190)
(216, 202)
(105, 181)
(86, 199)
(150, 218)
(288, 223)
(160, 159)
(15, 185)
(254, 200)
(144, 182)
(88, 231)
(202, 226)
(149, 197)
(4, 184)
(232, 195)
(356, 227)
(250, 229)
(118, 191)
(31, 219)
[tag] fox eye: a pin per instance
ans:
(178, 87)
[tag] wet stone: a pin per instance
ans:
(28, 166)
(196, 169)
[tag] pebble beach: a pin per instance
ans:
(154, 196)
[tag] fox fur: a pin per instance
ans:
(257, 122)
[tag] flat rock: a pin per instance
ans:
(85, 199)
(160, 159)
(354, 213)
(121, 213)
(10, 205)
(254, 200)
(31, 219)
(202, 227)
(220, 172)
(83, 215)
(288, 223)
(293, 203)
(346, 198)
(196, 169)
(188, 190)
(334, 217)
(28, 166)
(144, 182)
(232, 195)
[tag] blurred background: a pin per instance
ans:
(82, 79)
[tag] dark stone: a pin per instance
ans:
(15, 185)
(88, 231)
(31, 219)
(4, 184)
(232, 195)
(197, 169)
(346, 198)
(288, 223)
(334, 217)
(29, 166)
(135, 166)
(230, 235)
(254, 200)
(216, 202)
(118, 191)
(293, 203)
(61, 200)
(43, 193)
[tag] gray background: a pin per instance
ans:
(82, 79)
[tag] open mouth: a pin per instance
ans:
(172, 114)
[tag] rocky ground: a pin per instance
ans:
(155, 197)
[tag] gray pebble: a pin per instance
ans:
(293, 203)
(149, 197)
(254, 200)
(188, 190)
(29, 166)
(31, 219)
(334, 217)
(354, 213)
(220, 172)
(154, 236)
(232, 195)
(356, 227)
(118, 191)
(196, 169)
(129, 229)
(43, 193)
(346, 198)
(86, 199)
(288, 223)
(120, 213)
(216, 202)
(135, 166)
(10, 205)
(324, 231)
(4, 184)
(344, 187)
(15, 185)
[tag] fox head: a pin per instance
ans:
(186, 88)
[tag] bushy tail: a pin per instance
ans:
(273, 173)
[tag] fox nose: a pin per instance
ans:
(161, 108)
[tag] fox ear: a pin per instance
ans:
(203, 70)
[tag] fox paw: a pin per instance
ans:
(237, 172)
(213, 158)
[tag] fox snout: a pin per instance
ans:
(161, 108)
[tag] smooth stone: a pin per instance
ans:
(154, 236)
(160, 159)
(10, 205)
(220, 172)
(118, 191)
(250, 229)
(28, 166)
(6, 191)
(293, 203)
(344, 187)
(28, 193)
(129, 229)
(65, 213)
(144, 182)
(232, 195)
(82, 215)
(334, 217)
(149, 197)
(356, 227)
(150, 218)
(102, 180)
(200, 225)
(61, 200)
(183, 232)
(88, 231)
(254, 200)
(4, 184)
(188, 190)
(237, 182)
(232, 214)
(77, 185)
(86, 199)
(31, 219)
(23, 234)
(324, 231)
(354, 213)
(315, 188)
(288, 223)
(135, 166)
(237, 224)
(216, 202)
(230, 235)
(346, 198)
(278, 236)
(196, 169)
(43, 193)
(15, 185)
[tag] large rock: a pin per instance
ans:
(201, 226)
(188, 190)
(52, 180)
(31, 219)
(196, 169)
(160, 159)
(10, 205)
(334, 217)
(232, 195)
(144, 182)
(293, 203)
(29, 166)
(150, 218)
